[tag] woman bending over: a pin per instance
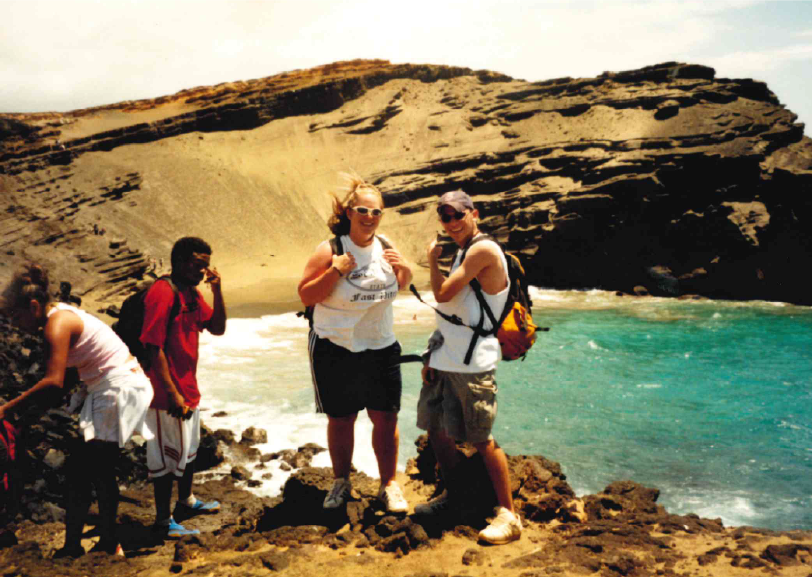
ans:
(116, 397)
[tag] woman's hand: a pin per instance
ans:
(394, 258)
(402, 268)
(344, 264)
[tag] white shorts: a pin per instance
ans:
(114, 409)
(175, 444)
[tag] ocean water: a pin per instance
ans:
(710, 402)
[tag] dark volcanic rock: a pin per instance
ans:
(240, 473)
(300, 517)
(254, 436)
(225, 436)
(540, 490)
(209, 454)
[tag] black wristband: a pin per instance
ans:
(338, 271)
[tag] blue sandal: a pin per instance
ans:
(199, 508)
(173, 530)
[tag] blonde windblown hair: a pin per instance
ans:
(339, 223)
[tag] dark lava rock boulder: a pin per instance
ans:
(624, 500)
(540, 490)
(254, 436)
(300, 517)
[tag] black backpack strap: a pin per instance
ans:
(453, 319)
(480, 296)
(176, 303)
(409, 359)
(173, 312)
(335, 244)
(485, 310)
(385, 243)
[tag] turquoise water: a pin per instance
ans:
(707, 401)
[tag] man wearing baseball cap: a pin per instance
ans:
(458, 398)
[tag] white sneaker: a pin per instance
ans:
(505, 527)
(338, 494)
(392, 498)
(434, 507)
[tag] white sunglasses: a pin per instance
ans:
(365, 211)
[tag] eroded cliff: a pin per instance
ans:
(665, 177)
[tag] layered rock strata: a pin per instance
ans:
(666, 178)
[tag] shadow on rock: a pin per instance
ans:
(300, 517)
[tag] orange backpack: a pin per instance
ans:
(515, 328)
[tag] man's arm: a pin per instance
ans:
(481, 260)
(160, 371)
(216, 325)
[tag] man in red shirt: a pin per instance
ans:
(173, 319)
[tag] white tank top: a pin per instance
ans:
(487, 353)
(98, 349)
(357, 315)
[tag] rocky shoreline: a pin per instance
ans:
(619, 531)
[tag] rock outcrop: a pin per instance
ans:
(665, 178)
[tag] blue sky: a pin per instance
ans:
(66, 54)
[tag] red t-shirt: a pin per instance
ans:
(180, 345)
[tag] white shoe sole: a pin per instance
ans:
(500, 541)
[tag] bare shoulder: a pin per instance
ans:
(323, 253)
(63, 323)
(492, 275)
(324, 246)
(486, 250)
(318, 262)
(63, 316)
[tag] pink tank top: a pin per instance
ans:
(98, 349)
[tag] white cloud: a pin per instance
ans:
(63, 54)
(755, 64)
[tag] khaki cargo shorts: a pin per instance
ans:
(462, 404)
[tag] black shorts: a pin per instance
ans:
(346, 382)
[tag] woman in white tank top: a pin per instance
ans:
(115, 398)
(353, 350)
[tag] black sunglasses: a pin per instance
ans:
(446, 218)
